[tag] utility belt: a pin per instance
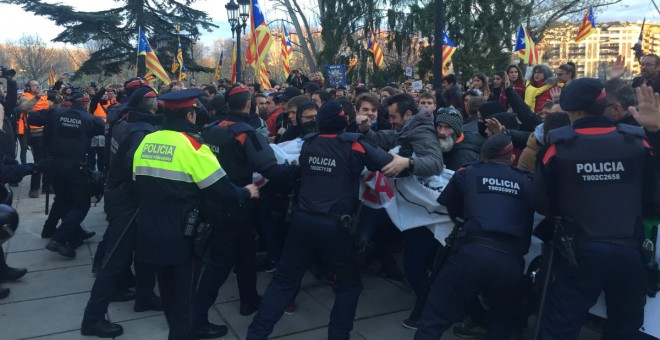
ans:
(502, 246)
(197, 232)
(345, 222)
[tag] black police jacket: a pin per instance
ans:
(137, 125)
(331, 167)
(241, 150)
(495, 200)
(67, 131)
(600, 178)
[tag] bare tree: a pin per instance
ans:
(299, 19)
(32, 56)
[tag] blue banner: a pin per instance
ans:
(336, 75)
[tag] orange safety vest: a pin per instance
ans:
(41, 104)
(100, 111)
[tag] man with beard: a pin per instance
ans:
(458, 148)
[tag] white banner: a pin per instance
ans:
(411, 202)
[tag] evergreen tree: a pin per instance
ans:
(482, 30)
(116, 30)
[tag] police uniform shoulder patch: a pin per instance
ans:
(310, 135)
(193, 141)
(631, 130)
(349, 136)
(561, 134)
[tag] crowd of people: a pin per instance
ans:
(175, 168)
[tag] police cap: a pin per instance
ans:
(496, 145)
(139, 94)
(180, 99)
(580, 94)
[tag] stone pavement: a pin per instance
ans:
(48, 302)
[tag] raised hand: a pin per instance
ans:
(618, 68)
(647, 113)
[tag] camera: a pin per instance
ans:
(7, 72)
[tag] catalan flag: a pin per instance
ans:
(233, 65)
(152, 62)
(182, 73)
(52, 76)
(174, 66)
(287, 50)
(260, 38)
(264, 79)
(448, 49)
(150, 77)
(525, 48)
(179, 60)
(374, 48)
(219, 67)
(588, 26)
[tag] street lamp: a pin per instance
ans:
(238, 13)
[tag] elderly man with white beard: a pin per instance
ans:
(458, 148)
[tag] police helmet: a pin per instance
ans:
(8, 222)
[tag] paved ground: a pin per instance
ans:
(48, 302)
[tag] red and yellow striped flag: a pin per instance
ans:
(219, 67)
(264, 79)
(52, 76)
(588, 26)
(287, 50)
(448, 49)
(374, 48)
(260, 38)
(233, 65)
(151, 59)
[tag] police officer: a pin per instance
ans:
(331, 162)
(598, 178)
(121, 205)
(242, 151)
(10, 172)
(173, 169)
(494, 200)
(67, 135)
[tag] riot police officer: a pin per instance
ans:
(494, 200)
(121, 205)
(331, 162)
(598, 179)
(67, 134)
(173, 169)
(242, 151)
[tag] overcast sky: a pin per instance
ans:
(28, 23)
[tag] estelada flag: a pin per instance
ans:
(588, 26)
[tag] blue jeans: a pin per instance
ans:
(615, 269)
(308, 235)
